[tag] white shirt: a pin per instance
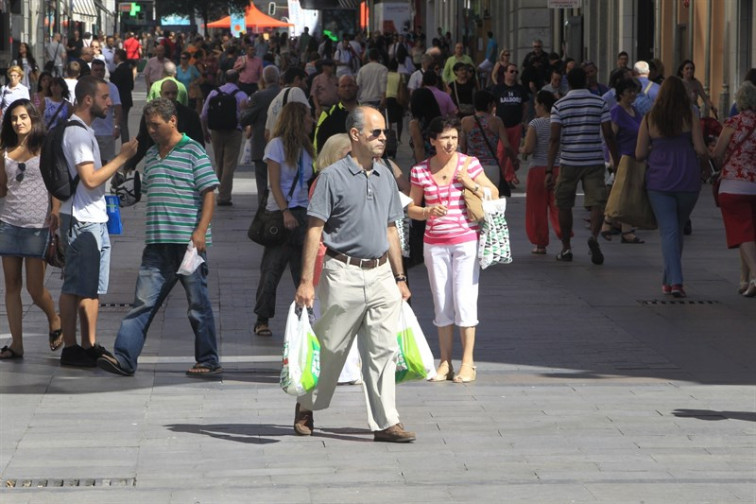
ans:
(274, 109)
(80, 146)
(415, 80)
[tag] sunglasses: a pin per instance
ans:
(505, 55)
(513, 71)
(21, 172)
(377, 132)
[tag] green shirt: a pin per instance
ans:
(154, 93)
(174, 187)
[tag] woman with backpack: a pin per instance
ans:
(288, 156)
(27, 219)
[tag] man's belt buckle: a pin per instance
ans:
(369, 263)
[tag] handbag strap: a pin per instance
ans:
(52, 119)
(485, 137)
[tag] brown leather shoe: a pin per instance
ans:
(394, 434)
(303, 422)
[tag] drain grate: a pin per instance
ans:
(67, 483)
(660, 302)
(115, 307)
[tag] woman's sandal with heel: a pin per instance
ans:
(463, 377)
(445, 372)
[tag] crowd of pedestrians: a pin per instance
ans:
(282, 100)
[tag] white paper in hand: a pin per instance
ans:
(191, 260)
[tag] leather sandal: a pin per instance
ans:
(463, 377)
(444, 372)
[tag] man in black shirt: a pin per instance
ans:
(333, 120)
(511, 106)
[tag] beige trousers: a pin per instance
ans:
(226, 147)
(368, 302)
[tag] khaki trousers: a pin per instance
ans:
(226, 147)
(368, 302)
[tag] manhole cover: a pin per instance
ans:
(115, 307)
(67, 483)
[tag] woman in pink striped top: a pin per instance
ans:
(450, 242)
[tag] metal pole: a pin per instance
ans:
(691, 6)
(707, 58)
(657, 29)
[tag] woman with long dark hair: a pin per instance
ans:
(673, 178)
(25, 222)
(288, 156)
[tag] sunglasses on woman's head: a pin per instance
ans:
(21, 172)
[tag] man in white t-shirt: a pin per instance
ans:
(416, 79)
(108, 128)
(84, 224)
(295, 82)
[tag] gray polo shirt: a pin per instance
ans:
(356, 208)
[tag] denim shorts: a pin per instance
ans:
(87, 268)
(23, 242)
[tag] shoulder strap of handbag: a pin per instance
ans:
(57, 111)
(464, 166)
(286, 97)
(454, 84)
(485, 137)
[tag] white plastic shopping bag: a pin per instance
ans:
(191, 260)
(301, 353)
(414, 361)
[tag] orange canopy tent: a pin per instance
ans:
(253, 18)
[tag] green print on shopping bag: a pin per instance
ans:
(301, 354)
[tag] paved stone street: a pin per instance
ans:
(592, 387)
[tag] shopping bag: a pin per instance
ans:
(493, 246)
(414, 361)
(628, 200)
(113, 210)
(301, 353)
(191, 260)
(245, 157)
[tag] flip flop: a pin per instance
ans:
(13, 355)
(201, 370)
(56, 339)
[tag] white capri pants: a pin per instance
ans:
(453, 272)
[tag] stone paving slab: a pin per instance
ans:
(591, 388)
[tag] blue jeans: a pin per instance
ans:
(157, 276)
(672, 211)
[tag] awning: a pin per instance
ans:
(84, 8)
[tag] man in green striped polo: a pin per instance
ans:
(179, 181)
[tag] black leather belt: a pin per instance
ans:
(356, 261)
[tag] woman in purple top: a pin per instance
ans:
(626, 121)
(673, 177)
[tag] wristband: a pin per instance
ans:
(400, 278)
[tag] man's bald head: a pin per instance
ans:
(169, 90)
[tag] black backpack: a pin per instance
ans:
(221, 111)
(53, 164)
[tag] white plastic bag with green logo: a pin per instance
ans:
(301, 353)
(493, 246)
(414, 361)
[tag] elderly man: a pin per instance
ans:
(182, 211)
(254, 120)
(353, 209)
(169, 73)
(459, 56)
(649, 88)
(188, 122)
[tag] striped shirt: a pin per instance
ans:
(581, 114)
(542, 128)
(454, 227)
(174, 187)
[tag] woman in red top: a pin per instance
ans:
(450, 241)
(737, 192)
